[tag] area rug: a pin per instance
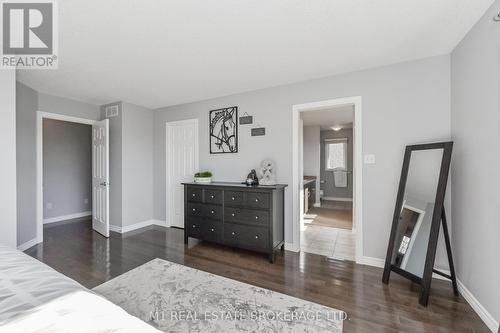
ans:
(176, 298)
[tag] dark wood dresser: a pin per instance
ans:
(234, 214)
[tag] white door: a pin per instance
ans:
(100, 177)
(181, 164)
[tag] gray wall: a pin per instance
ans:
(327, 176)
(8, 199)
(131, 165)
(137, 164)
(28, 102)
(115, 165)
(311, 155)
(67, 168)
(475, 125)
(26, 106)
(402, 104)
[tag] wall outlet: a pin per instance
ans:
(370, 159)
(49, 205)
(86, 201)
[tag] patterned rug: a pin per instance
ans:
(176, 298)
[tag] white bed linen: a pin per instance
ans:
(36, 298)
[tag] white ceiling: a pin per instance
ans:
(162, 52)
(342, 116)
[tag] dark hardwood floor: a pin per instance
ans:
(76, 251)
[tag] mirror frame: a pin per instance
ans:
(438, 215)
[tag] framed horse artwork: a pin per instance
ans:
(223, 130)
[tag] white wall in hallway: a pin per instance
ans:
(67, 168)
(311, 156)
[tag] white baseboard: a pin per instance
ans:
(487, 318)
(478, 307)
(28, 244)
(337, 199)
(371, 261)
(136, 226)
(378, 262)
(291, 247)
(66, 217)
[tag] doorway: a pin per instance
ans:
(72, 171)
(182, 159)
(327, 186)
(327, 169)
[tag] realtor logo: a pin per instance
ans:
(28, 34)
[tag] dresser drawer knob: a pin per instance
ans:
(232, 214)
(256, 217)
(256, 237)
(194, 226)
(212, 196)
(212, 212)
(256, 199)
(194, 209)
(232, 198)
(212, 229)
(194, 194)
(233, 233)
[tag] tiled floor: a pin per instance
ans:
(331, 242)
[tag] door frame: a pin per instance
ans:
(168, 126)
(40, 116)
(297, 185)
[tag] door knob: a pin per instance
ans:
(104, 184)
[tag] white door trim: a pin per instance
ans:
(168, 124)
(40, 116)
(358, 167)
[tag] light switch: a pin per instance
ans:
(370, 159)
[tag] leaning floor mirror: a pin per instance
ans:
(418, 217)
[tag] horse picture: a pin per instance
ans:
(224, 130)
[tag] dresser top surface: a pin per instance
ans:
(237, 185)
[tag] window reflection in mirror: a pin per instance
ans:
(412, 236)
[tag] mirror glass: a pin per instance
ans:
(412, 236)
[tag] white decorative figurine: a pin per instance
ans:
(267, 173)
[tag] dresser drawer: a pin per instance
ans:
(244, 236)
(212, 212)
(213, 196)
(195, 209)
(257, 200)
(212, 231)
(194, 194)
(249, 216)
(236, 198)
(194, 227)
